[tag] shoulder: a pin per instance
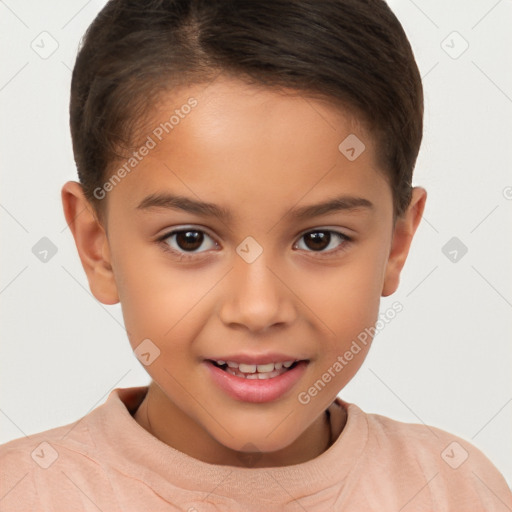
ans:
(451, 469)
(32, 466)
(42, 449)
(18, 490)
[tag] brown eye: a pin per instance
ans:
(183, 241)
(189, 240)
(320, 240)
(317, 240)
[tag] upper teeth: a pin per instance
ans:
(251, 368)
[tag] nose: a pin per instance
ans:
(257, 297)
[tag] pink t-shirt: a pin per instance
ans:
(107, 462)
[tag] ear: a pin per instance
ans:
(91, 242)
(403, 233)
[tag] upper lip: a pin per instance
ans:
(269, 357)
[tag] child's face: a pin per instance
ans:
(254, 284)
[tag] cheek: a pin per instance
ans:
(345, 301)
(159, 301)
(346, 296)
(143, 287)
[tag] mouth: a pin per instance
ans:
(247, 383)
(256, 371)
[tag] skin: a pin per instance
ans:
(257, 152)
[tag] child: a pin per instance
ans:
(282, 137)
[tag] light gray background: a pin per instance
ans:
(445, 360)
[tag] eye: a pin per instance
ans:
(321, 239)
(183, 241)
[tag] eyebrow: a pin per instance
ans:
(176, 202)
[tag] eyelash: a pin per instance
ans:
(193, 255)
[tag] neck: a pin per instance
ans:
(312, 443)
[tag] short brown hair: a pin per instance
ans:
(351, 52)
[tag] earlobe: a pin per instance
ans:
(91, 242)
(403, 233)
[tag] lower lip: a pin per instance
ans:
(255, 390)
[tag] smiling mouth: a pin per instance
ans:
(260, 372)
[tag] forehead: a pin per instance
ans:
(249, 146)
